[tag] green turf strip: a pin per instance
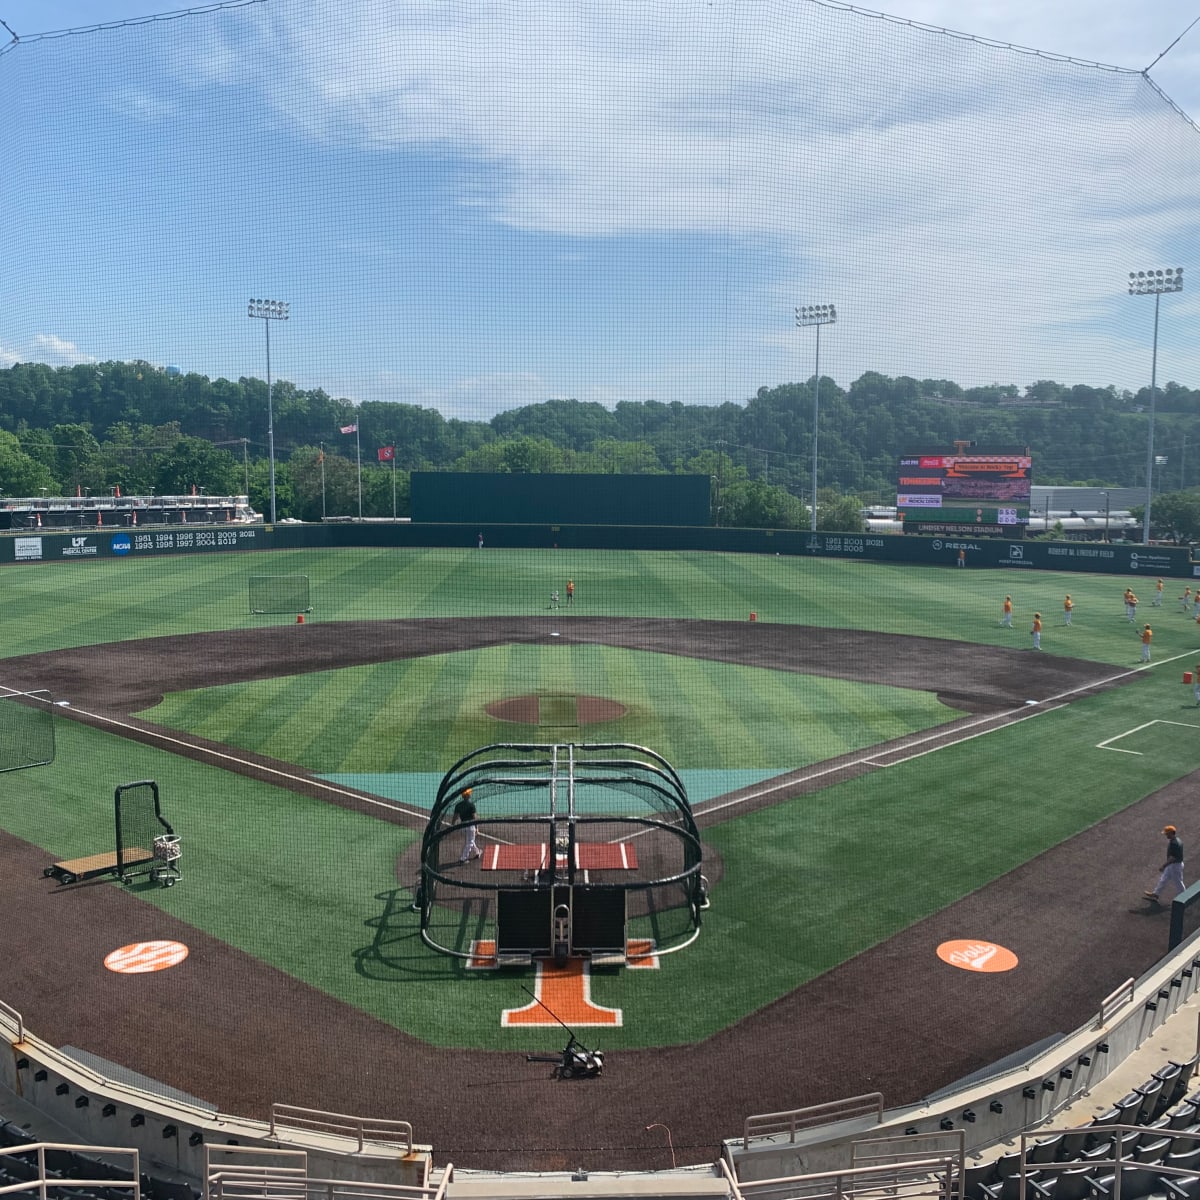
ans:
(417, 790)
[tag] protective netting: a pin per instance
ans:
(603, 832)
(26, 730)
(482, 206)
(139, 824)
(279, 594)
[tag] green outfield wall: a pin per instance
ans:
(461, 497)
(977, 554)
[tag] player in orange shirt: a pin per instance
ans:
(1131, 603)
(1185, 601)
(1068, 607)
(1147, 634)
(1158, 590)
(1006, 619)
(1036, 631)
(570, 592)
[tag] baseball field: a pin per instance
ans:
(876, 764)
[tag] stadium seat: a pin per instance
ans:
(1187, 1069)
(1151, 1150)
(62, 1163)
(169, 1189)
(1009, 1188)
(968, 1185)
(1184, 1160)
(19, 1168)
(14, 1135)
(1008, 1165)
(1073, 1183)
(1184, 1141)
(1136, 1182)
(1181, 1115)
(1150, 1093)
(1073, 1143)
(1044, 1151)
(1169, 1076)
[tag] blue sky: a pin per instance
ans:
(476, 207)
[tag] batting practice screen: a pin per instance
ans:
(452, 497)
(279, 594)
(26, 731)
(983, 494)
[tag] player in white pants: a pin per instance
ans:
(1172, 869)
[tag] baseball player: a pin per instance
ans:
(1172, 869)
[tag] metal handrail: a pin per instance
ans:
(768, 1124)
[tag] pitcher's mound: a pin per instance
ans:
(555, 710)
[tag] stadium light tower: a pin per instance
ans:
(269, 310)
(815, 315)
(1153, 283)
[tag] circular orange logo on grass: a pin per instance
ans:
(977, 956)
(142, 957)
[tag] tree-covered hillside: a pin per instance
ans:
(90, 428)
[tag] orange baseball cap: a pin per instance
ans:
(1169, 829)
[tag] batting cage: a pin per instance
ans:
(557, 851)
(26, 730)
(279, 594)
(145, 843)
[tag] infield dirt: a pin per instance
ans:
(239, 1034)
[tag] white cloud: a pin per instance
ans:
(50, 348)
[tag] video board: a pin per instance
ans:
(982, 494)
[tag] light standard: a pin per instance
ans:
(269, 310)
(1105, 495)
(815, 315)
(1153, 283)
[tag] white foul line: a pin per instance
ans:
(193, 748)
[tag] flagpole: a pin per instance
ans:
(393, 483)
(358, 451)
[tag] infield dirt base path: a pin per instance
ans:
(237, 1034)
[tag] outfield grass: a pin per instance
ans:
(50, 605)
(311, 888)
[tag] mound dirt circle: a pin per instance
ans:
(532, 709)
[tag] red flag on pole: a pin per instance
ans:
(387, 453)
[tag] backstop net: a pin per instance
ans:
(26, 730)
(279, 594)
(584, 850)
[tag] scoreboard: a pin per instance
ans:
(963, 494)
